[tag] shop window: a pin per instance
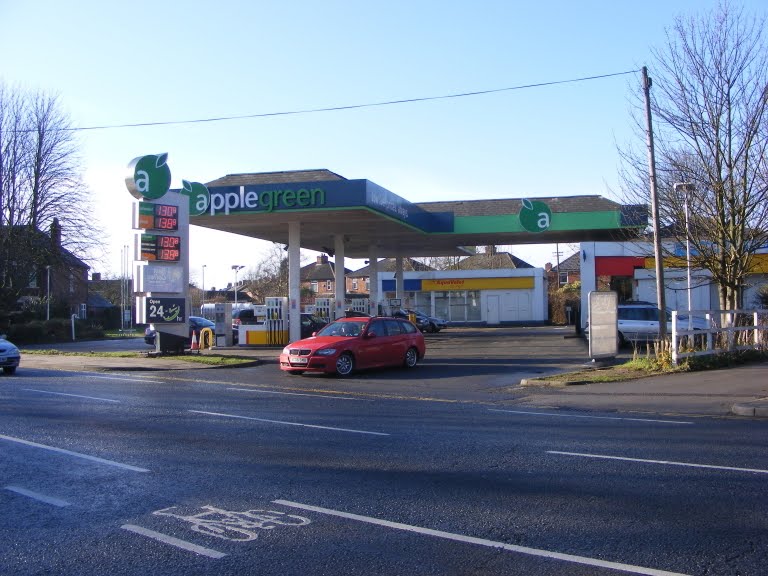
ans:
(622, 285)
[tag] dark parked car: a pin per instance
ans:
(196, 324)
(348, 344)
(310, 324)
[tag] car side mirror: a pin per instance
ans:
(370, 334)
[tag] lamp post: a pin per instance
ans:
(687, 187)
(202, 298)
(48, 293)
(236, 268)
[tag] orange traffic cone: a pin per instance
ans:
(194, 342)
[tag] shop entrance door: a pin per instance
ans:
(493, 310)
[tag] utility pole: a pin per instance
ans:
(660, 294)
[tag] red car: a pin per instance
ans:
(349, 344)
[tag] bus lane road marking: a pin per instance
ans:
(482, 541)
(316, 426)
(663, 462)
(74, 454)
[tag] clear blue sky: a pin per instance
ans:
(114, 63)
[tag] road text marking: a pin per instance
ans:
(289, 423)
(583, 416)
(37, 496)
(73, 395)
(327, 396)
(482, 541)
(667, 462)
(165, 539)
(75, 454)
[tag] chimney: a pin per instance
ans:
(322, 259)
(96, 277)
(55, 234)
(548, 266)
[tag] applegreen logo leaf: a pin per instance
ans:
(535, 216)
(149, 177)
(199, 196)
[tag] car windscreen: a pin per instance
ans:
(343, 329)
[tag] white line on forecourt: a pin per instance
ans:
(72, 395)
(584, 416)
(75, 454)
(289, 423)
(326, 396)
(37, 496)
(183, 544)
(667, 462)
(482, 541)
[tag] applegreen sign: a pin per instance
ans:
(149, 177)
(535, 216)
(199, 196)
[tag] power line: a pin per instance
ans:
(348, 107)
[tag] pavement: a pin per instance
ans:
(740, 391)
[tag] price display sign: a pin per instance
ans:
(165, 310)
(157, 247)
(158, 216)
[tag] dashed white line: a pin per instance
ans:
(289, 423)
(75, 454)
(327, 396)
(165, 539)
(482, 541)
(665, 462)
(527, 413)
(37, 496)
(72, 395)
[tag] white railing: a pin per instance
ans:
(723, 331)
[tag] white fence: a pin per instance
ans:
(722, 331)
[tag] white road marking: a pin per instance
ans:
(667, 462)
(482, 541)
(584, 416)
(289, 423)
(131, 379)
(328, 396)
(75, 454)
(37, 496)
(165, 539)
(73, 395)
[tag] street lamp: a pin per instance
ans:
(48, 293)
(686, 187)
(236, 268)
(202, 299)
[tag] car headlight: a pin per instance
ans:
(326, 352)
(286, 351)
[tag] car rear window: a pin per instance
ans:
(407, 327)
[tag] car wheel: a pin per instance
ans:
(433, 328)
(9, 369)
(345, 364)
(411, 358)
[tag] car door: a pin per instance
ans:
(396, 343)
(373, 344)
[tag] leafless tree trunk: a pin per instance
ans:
(39, 182)
(709, 102)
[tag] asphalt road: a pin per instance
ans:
(239, 472)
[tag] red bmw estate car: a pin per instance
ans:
(349, 344)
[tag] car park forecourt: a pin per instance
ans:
(349, 344)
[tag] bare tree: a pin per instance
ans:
(709, 103)
(40, 182)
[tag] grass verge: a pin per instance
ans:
(207, 359)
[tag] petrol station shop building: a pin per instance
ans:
(322, 211)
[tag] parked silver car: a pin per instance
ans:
(10, 357)
(639, 322)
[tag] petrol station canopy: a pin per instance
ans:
(263, 205)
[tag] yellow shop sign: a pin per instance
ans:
(477, 284)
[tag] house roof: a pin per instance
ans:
(570, 264)
(389, 265)
(320, 271)
(496, 261)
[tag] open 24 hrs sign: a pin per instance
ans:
(165, 310)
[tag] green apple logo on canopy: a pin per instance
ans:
(149, 177)
(199, 197)
(535, 216)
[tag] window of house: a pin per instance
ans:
(313, 285)
(328, 285)
(563, 278)
(354, 284)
